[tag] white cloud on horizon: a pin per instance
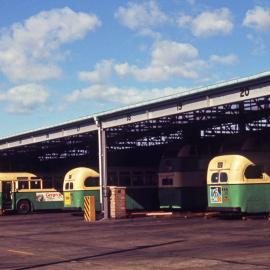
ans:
(208, 23)
(123, 96)
(24, 98)
(30, 50)
(258, 19)
(224, 59)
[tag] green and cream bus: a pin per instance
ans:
(239, 183)
(23, 192)
(182, 178)
(80, 182)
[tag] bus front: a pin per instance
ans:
(225, 183)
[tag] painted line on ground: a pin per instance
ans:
(21, 252)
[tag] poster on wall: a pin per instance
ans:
(216, 194)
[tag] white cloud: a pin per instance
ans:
(208, 23)
(259, 47)
(184, 20)
(24, 98)
(140, 16)
(147, 32)
(29, 50)
(112, 94)
(191, 2)
(224, 59)
(168, 59)
(258, 19)
(102, 72)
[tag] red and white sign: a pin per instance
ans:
(49, 197)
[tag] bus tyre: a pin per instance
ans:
(23, 207)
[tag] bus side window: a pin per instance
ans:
(167, 182)
(67, 186)
(35, 184)
(151, 179)
(90, 182)
(124, 179)
(23, 185)
(71, 185)
(223, 177)
(253, 172)
(112, 179)
(58, 182)
(137, 179)
(168, 165)
(214, 178)
(47, 182)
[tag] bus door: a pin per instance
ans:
(7, 202)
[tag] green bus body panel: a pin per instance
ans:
(184, 198)
(143, 198)
(35, 204)
(249, 198)
(77, 199)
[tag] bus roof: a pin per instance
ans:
(78, 176)
(247, 157)
(80, 172)
(14, 175)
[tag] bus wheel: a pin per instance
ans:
(23, 207)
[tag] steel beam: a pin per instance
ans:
(47, 135)
(103, 170)
(186, 104)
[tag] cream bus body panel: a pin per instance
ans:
(235, 165)
(230, 163)
(78, 176)
(14, 176)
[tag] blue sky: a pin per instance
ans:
(61, 60)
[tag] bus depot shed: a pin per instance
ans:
(140, 133)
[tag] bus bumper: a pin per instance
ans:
(78, 209)
(224, 209)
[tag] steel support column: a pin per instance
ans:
(103, 170)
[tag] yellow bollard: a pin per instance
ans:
(89, 208)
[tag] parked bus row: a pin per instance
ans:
(191, 178)
(25, 192)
